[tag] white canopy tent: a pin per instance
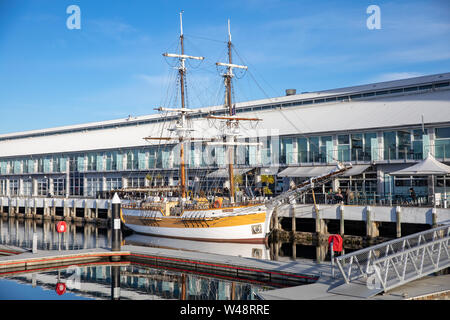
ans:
(427, 167)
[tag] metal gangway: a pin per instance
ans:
(396, 262)
(308, 185)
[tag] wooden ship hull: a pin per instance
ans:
(246, 224)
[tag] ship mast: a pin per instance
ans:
(181, 128)
(231, 122)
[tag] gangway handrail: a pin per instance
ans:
(386, 243)
(399, 261)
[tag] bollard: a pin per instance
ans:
(116, 226)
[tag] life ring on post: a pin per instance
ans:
(218, 203)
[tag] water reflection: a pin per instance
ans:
(134, 281)
(19, 233)
(247, 250)
(127, 282)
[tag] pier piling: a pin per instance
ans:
(116, 226)
(398, 223)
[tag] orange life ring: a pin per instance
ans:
(217, 203)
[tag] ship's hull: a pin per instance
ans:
(244, 225)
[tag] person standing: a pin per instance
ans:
(413, 195)
(339, 197)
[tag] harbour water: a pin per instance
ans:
(136, 281)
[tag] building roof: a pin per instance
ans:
(369, 113)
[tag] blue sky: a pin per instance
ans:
(112, 67)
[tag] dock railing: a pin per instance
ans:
(396, 262)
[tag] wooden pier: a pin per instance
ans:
(303, 279)
(363, 225)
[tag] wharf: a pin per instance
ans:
(305, 279)
(430, 287)
(28, 261)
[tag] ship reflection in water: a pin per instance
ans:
(126, 280)
(123, 280)
(246, 250)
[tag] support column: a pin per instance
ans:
(64, 209)
(321, 252)
(96, 209)
(17, 207)
(294, 227)
(398, 222)
(342, 220)
(86, 210)
(434, 217)
(46, 214)
(275, 252)
(26, 207)
(294, 250)
(321, 226)
(54, 209)
(74, 209)
(276, 225)
(109, 210)
(371, 227)
(10, 209)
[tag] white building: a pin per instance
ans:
(379, 127)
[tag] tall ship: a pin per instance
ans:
(221, 217)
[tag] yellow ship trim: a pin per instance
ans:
(179, 222)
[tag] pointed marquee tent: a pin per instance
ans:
(427, 167)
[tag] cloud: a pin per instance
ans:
(390, 76)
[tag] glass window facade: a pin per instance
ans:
(13, 187)
(404, 144)
(390, 145)
(91, 162)
(136, 182)
(59, 186)
(93, 186)
(357, 145)
(344, 147)
(3, 187)
(27, 188)
(314, 149)
(371, 150)
(417, 144)
(442, 142)
(42, 187)
(302, 149)
(113, 183)
(111, 161)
